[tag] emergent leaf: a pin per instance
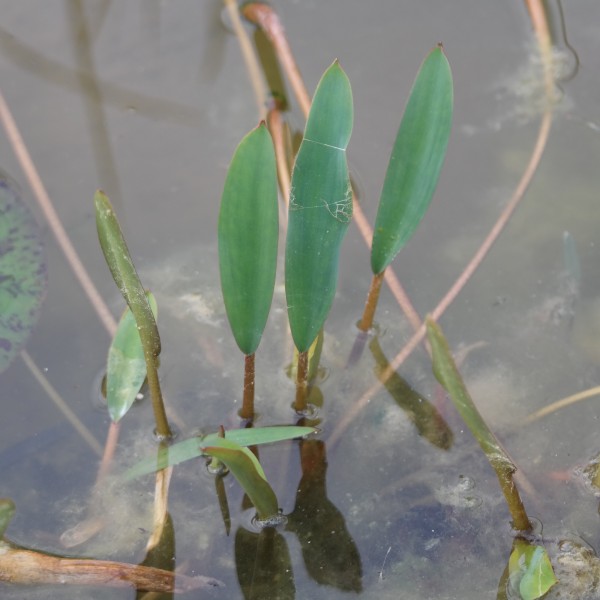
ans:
(416, 160)
(320, 208)
(248, 233)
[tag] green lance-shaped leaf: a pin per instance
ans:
(320, 208)
(123, 270)
(192, 447)
(23, 275)
(126, 367)
(247, 470)
(530, 570)
(416, 160)
(248, 233)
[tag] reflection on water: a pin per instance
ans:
(149, 100)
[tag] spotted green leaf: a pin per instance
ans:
(23, 275)
(320, 208)
(416, 159)
(248, 232)
(126, 367)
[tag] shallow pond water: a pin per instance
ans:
(148, 100)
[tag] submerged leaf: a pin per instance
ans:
(191, 448)
(7, 510)
(320, 208)
(248, 235)
(416, 159)
(126, 367)
(530, 570)
(247, 470)
(23, 275)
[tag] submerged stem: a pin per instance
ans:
(163, 431)
(247, 410)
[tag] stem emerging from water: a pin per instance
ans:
(301, 383)
(247, 410)
(445, 371)
(371, 304)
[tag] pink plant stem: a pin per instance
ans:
(109, 451)
(458, 285)
(52, 218)
(81, 274)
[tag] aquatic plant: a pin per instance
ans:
(248, 234)
(247, 282)
(125, 276)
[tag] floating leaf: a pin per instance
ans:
(530, 570)
(247, 470)
(248, 233)
(23, 275)
(320, 208)
(191, 448)
(126, 367)
(416, 159)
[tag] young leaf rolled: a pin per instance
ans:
(248, 232)
(416, 159)
(320, 208)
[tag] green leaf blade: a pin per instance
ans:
(446, 372)
(247, 470)
(248, 233)
(23, 273)
(530, 570)
(416, 159)
(126, 367)
(320, 208)
(191, 448)
(123, 270)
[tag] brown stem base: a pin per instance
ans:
(301, 383)
(371, 304)
(247, 410)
